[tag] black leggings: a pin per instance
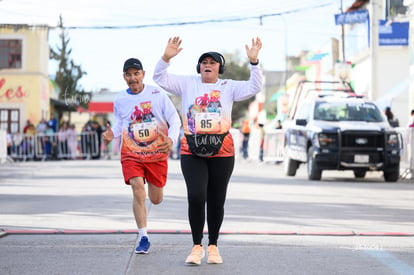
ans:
(206, 180)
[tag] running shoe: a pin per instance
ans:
(143, 246)
(197, 253)
(214, 255)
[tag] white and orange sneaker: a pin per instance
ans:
(197, 253)
(214, 255)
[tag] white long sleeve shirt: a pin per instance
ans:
(139, 119)
(206, 108)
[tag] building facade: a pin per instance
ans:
(24, 83)
(375, 53)
(376, 43)
(410, 14)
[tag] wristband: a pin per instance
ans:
(255, 63)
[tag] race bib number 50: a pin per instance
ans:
(207, 123)
(145, 132)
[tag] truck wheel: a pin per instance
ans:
(392, 175)
(360, 173)
(290, 165)
(314, 173)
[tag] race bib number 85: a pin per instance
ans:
(207, 123)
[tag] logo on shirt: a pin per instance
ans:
(143, 128)
(204, 115)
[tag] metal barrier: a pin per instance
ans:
(407, 157)
(273, 148)
(86, 145)
(237, 140)
(3, 146)
(54, 146)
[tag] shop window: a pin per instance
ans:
(395, 8)
(10, 120)
(10, 53)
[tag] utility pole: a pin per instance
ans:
(376, 9)
(343, 36)
(285, 48)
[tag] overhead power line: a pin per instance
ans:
(236, 19)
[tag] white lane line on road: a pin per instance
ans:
(391, 261)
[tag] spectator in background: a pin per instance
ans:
(411, 125)
(63, 151)
(72, 137)
(53, 123)
(40, 140)
(86, 140)
(245, 130)
(41, 127)
(178, 146)
(106, 148)
(278, 124)
(17, 145)
(97, 141)
(49, 144)
(28, 125)
(262, 136)
(391, 118)
(9, 141)
(28, 145)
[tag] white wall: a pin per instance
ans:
(393, 80)
(361, 75)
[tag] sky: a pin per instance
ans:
(104, 33)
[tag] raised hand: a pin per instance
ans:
(108, 135)
(172, 49)
(253, 51)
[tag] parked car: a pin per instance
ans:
(341, 131)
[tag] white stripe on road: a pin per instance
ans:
(391, 261)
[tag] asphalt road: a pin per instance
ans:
(74, 217)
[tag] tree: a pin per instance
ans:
(237, 70)
(68, 73)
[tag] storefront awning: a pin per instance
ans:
(358, 4)
(101, 107)
(61, 105)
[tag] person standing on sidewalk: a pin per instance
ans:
(391, 117)
(149, 125)
(207, 149)
(262, 139)
(245, 129)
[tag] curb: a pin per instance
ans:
(5, 232)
